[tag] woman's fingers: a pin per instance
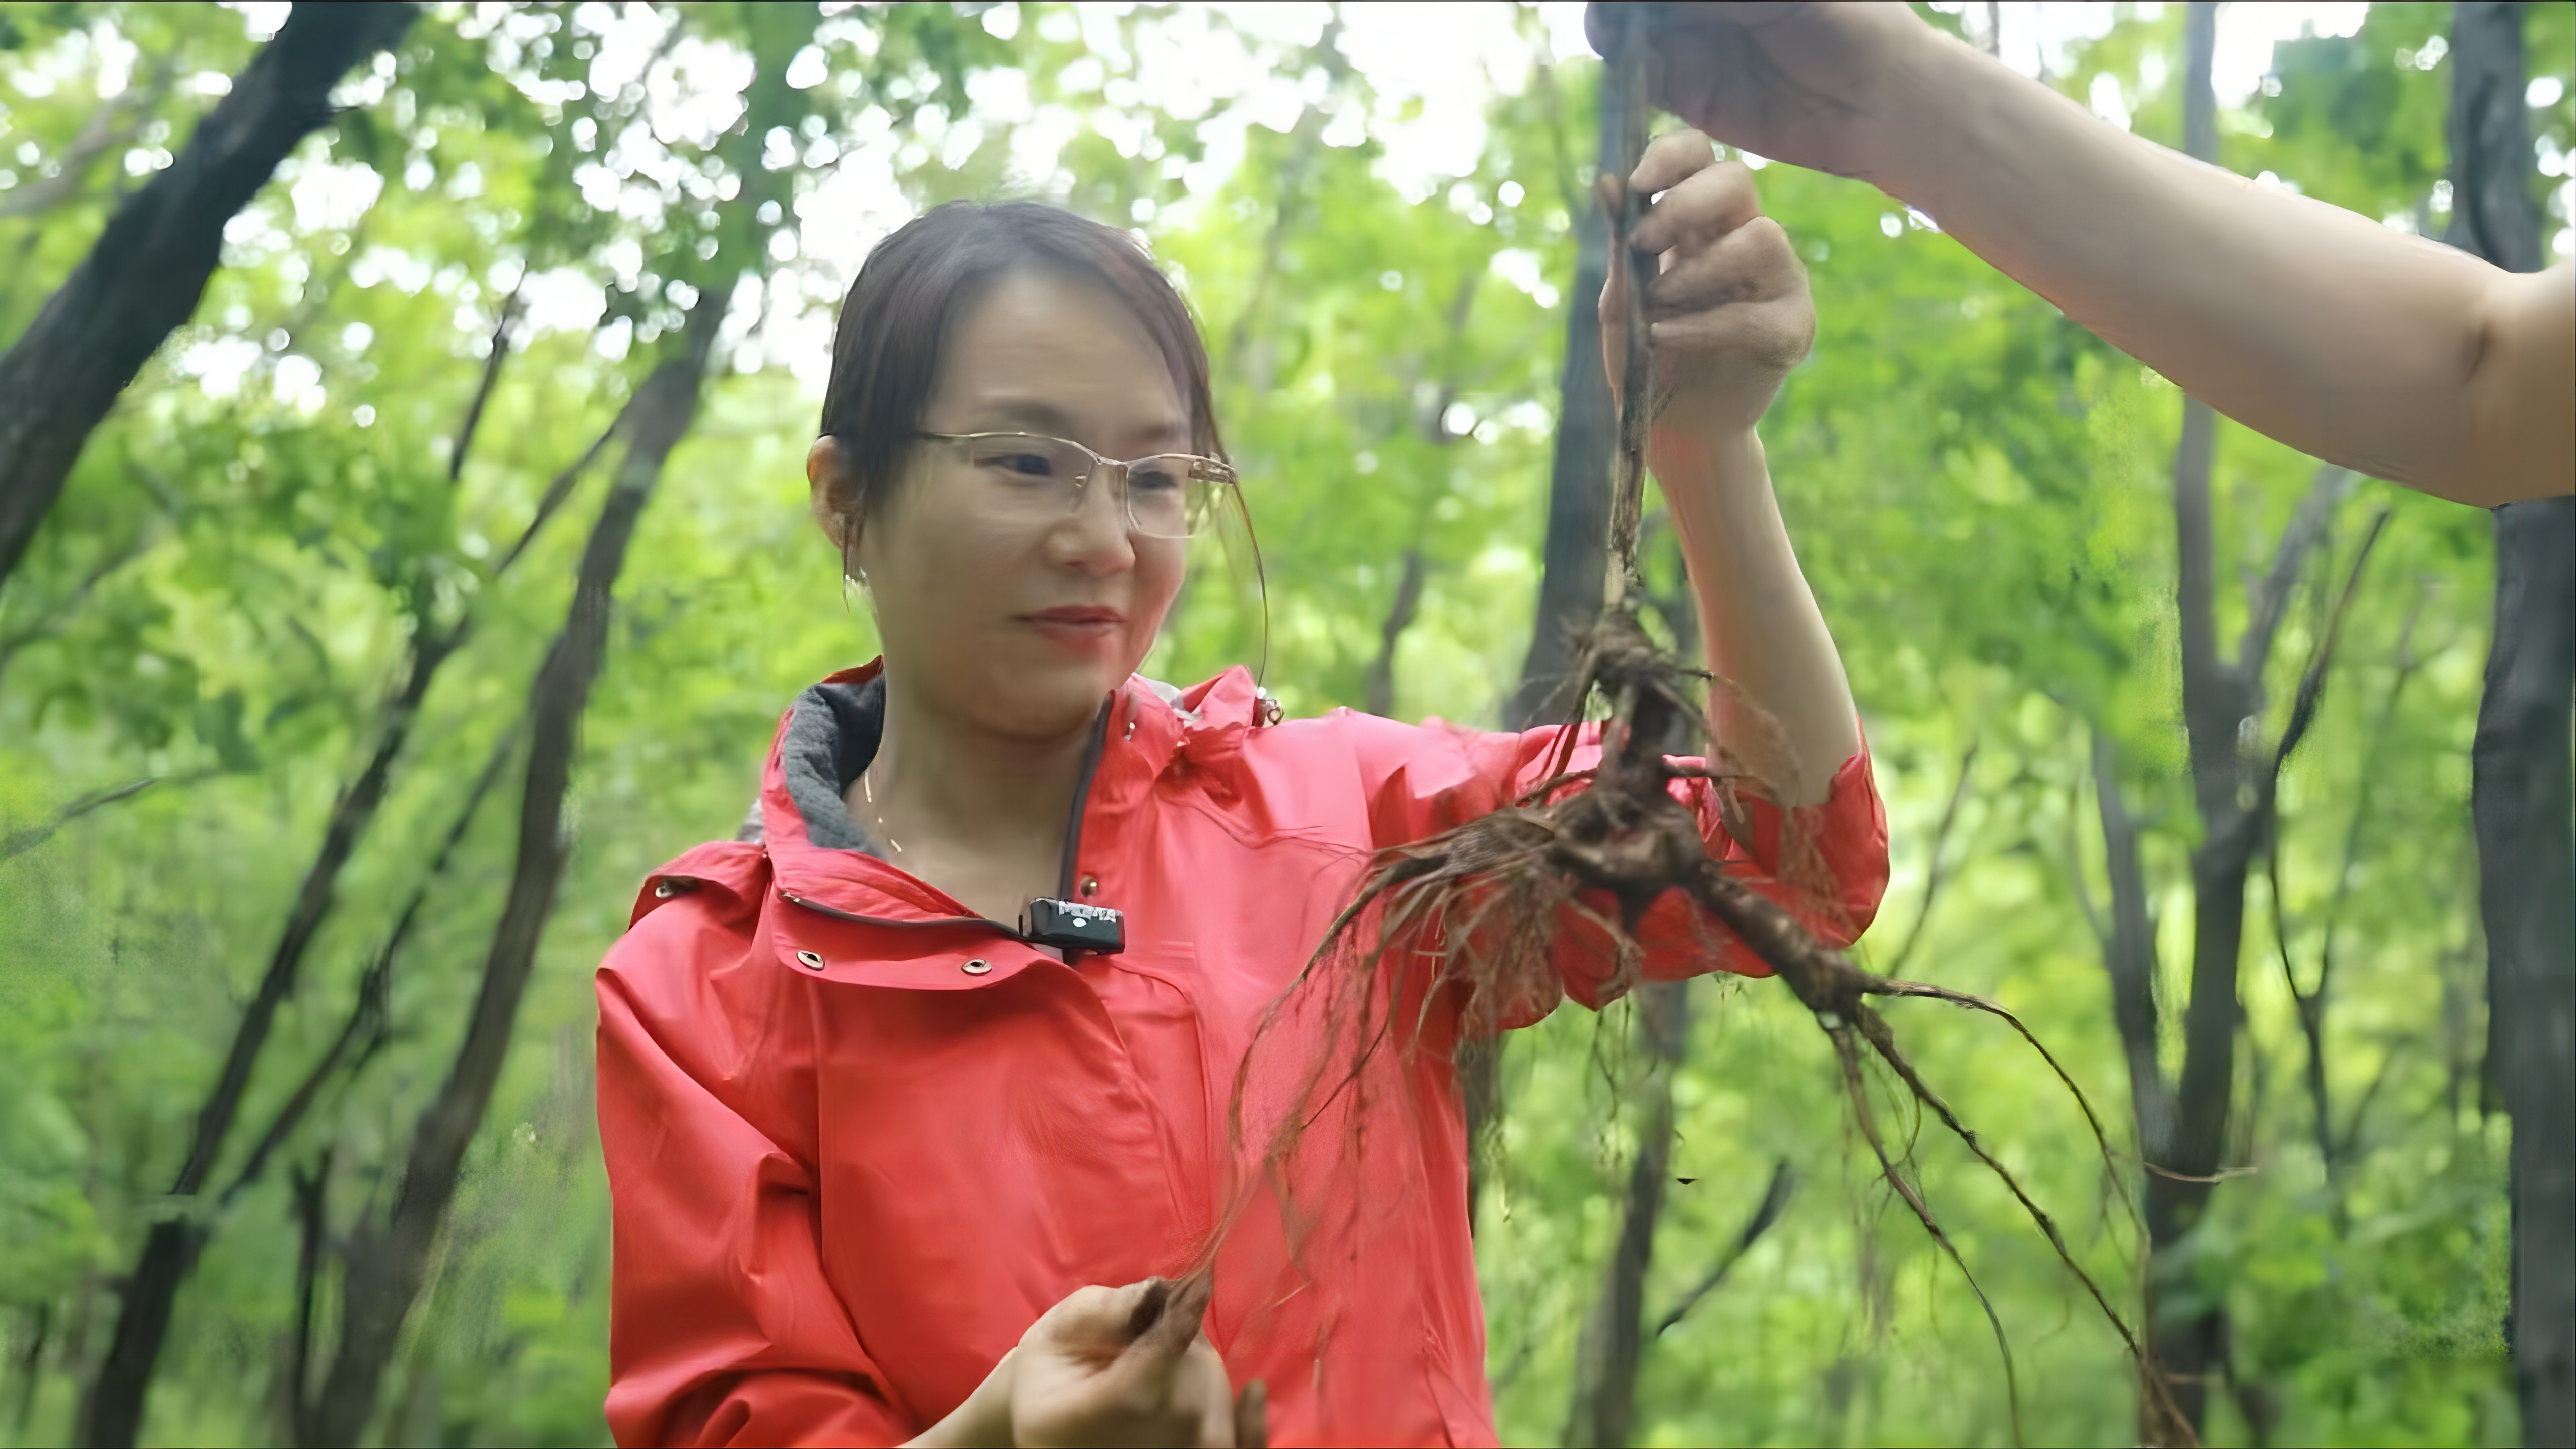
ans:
(1179, 1313)
(1202, 1389)
(1766, 337)
(1753, 263)
(1669, 159)
(1252, 1416)
(1164, 1320)
(1093, 1323)
(1698, 206)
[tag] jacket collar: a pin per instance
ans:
(824, 859)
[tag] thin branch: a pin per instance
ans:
(1940, 852)
(501, 325)
(51, 622)
(2409, 664)
(2351, 1142)
(561, 487)
(1775, 1198)
(2084, 901)
(2270, 599)
(108, 127)
(366, 1020)
(2303, 708)
(1378, 688)
(26, 840)
(312, 1223)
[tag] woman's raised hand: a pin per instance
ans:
(1729, 309)
(1129, 1366)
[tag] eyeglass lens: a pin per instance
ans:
(1034, 479)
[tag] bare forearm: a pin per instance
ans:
(2388, 353)
(1758, 621)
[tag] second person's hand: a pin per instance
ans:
(1812, 82)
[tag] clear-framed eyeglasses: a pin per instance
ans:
(1034, 479)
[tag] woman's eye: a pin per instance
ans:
(1025, 465)
(1156, 478)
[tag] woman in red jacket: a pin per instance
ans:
(894, 1090)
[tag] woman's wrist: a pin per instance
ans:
(982, 1422)
(1695, 460)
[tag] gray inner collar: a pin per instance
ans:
(832, 734)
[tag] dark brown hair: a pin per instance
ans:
(895, 322)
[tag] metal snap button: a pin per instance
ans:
(1091, 885)
(662, 891)
(809, 960)
(977, 967)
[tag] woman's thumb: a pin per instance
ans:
(1166, 1320)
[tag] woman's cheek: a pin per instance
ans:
(1158, 582)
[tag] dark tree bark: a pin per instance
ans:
(2129, 953)
(1608, 1354)
(2186, 1335)
(150, 266)
(1574, 559)
(112, 1411)
(2183, 1133)
(387, 1261)
(2521, 804)
(2182, 1125)
(2520, 795)
(1614, 1336)
(1378, 691)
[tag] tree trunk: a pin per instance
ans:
(2521, 803)
(2183, 1332)
(111, 1413)
(2520, 795)
(2129, 954)
(1574, 559)
(1378, 691)
(1614, 1336)
(387, 1262)
(2183, 1136)
(150, 265)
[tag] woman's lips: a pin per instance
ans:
(1076, 626)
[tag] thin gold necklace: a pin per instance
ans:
(868, 792)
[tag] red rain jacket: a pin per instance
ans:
(858, 1139)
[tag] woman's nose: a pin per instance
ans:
(1093, 537)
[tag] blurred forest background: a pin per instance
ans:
(278, 808)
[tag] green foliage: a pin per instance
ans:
(1979, 490)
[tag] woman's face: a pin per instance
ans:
(1011, 626)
